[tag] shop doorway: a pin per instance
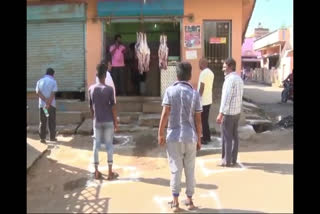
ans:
(217, 47)
(148, 83)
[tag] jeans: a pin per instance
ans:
(182, 156)
(118, 77)
(103, 133)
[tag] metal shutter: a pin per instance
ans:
(59, 45)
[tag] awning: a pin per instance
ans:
(140, 7)
(250, 60)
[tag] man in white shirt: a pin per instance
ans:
(229, 113)
(109, 80)
(205, 90)
(45, 89)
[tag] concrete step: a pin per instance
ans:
(129, 106)
(149, 120)
(152, 107)
(137, 99)
(62, 118)
(62, 105)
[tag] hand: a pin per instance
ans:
(219, 118)
(116, 128)
(161, 140)
(199, 144)
(47, 105)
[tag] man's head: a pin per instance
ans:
(203, 63)
(184, 71)
(101, 72)
(50, 71)
(117, 38)
(229, 65)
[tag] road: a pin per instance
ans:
(268, 98)
(60, 181)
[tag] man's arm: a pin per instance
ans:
(163, 122)
(90, 105)
(225, 101)
(49, 101)
(114, 115)
(41, 96)
(201, 88)
(113, 49)
(198, 123)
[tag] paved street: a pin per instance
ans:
(60, 181)
(268, 98)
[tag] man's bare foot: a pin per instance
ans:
(97, 175)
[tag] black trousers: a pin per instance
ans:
(205, 123)
(51, 121)
(118, 77)
(230, 140)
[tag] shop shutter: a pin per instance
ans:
(60, 45)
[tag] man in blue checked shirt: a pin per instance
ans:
(46, 89)
(229, 113)
(182, 109)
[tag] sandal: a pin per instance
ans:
(174, 207)
(97, 175)
(113, 176)
(190, 205)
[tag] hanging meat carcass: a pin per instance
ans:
(142, 52)
(146, 53)
(138, 51)
(163, 52)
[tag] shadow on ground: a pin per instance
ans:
(280, 168)
(62, 189)
(166, 183)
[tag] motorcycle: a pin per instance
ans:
(287, 93)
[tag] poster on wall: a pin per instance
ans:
(192, 36)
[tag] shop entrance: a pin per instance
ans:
(148, 83)
(217, 48)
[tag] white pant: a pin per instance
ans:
(182, 155)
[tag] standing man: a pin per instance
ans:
(109, 81)
(103, 110)
(117, 51)
(182, 108)
(45, 89)
(229, 114)
(205, 90)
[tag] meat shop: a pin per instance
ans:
(154, 35)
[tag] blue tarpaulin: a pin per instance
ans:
(140, 7)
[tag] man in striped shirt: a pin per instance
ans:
(229, 114)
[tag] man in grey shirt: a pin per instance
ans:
(182, 109)
(103, 110)
(229, 114)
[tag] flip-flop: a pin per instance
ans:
(190, 205)
(113, 176)
(174, 207)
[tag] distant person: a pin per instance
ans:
(205, 90)
(109, 81)
(229, 113)
(103, 111)
(117, 51)
(182, 108)
(45, 89)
